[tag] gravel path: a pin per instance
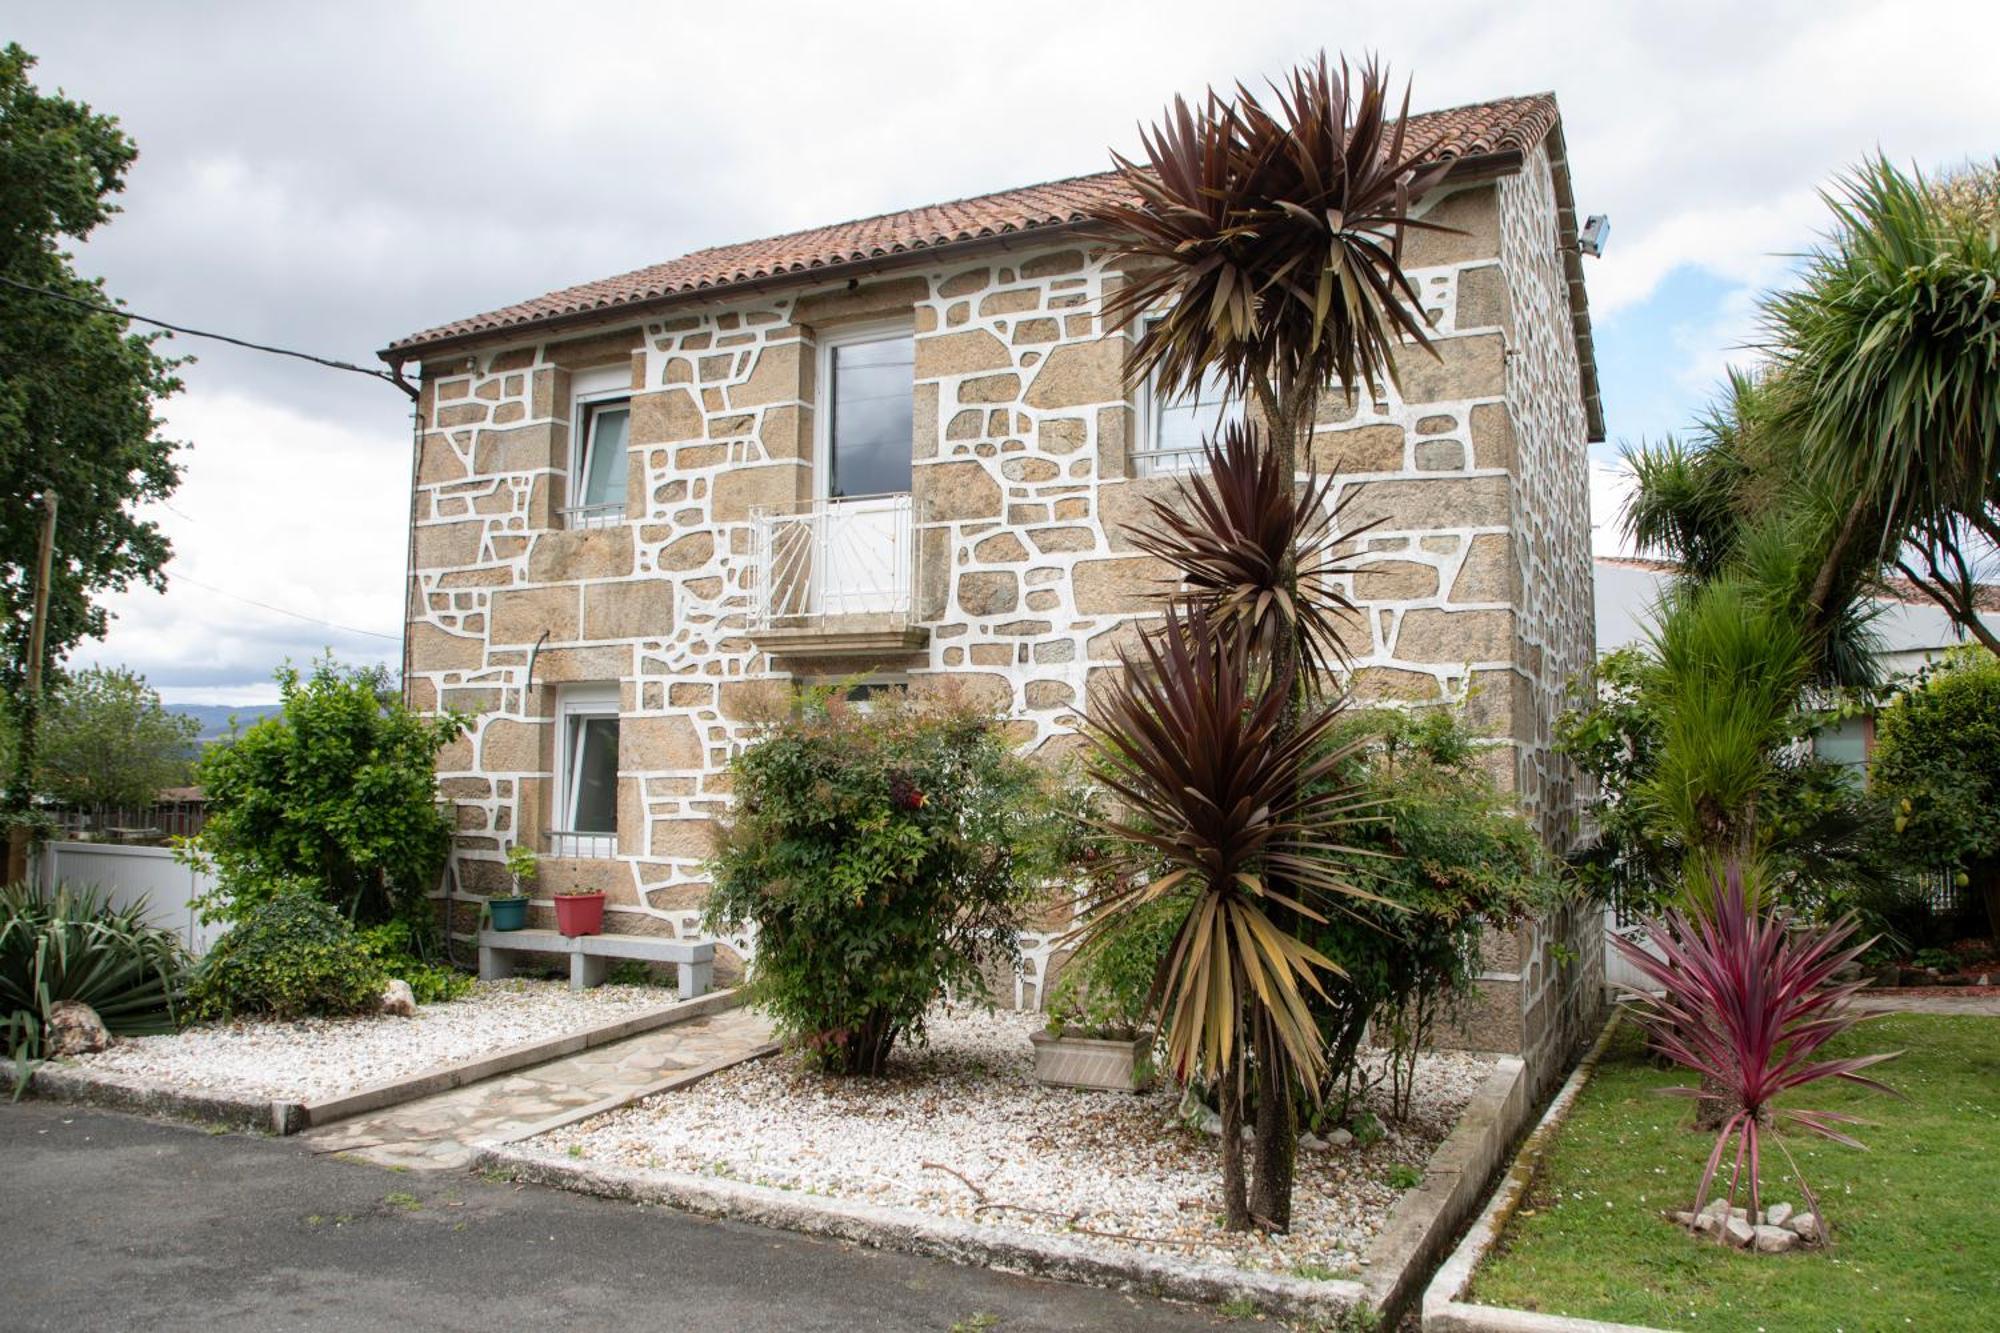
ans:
(1116, 1165)
(314, 1059)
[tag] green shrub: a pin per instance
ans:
(291, 957)
(338, 792)
(882, 857)
(1450, 857)
(76, 946)
(403, 951)
(1937, 758)
(1107, 988)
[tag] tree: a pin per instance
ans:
(337, 792)
(1870, 443)
(107, 740)
(1265, 245)
(1937, 756)
(1231, 806)
(78, 393)
(1892, 341)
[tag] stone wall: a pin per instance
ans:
(1541, 992)
(1469, 584)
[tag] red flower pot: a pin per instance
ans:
(580, 913)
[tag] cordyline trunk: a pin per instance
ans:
(1235, 1203)
(1276, 1135)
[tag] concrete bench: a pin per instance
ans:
(590, 955)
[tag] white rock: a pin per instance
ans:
(1339, 1138)
(1773, 1240)
(1804, 1225)
(316, 1058)
(1776, 1214)
(1738, 1232)
(398, 1000)
(1115, 1162)
(1313, 1143)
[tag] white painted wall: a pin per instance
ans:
(129, 874)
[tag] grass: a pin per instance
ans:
(1916, 1226)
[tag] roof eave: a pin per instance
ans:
(1463, 170)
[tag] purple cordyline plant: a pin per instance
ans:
(1749, 998)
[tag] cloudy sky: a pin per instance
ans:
(333, 176)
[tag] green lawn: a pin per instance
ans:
(1916, 1218)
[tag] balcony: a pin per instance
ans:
(836, 577)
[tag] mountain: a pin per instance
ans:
(214, 719)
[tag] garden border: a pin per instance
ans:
(1421, 1222)
(72, 1083)
(1443, 1310)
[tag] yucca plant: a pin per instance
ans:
(1256, 550)
(1263, 242)
(1893, 339)
(1266, 242)
(75, 945)
(1223, 800)
(1748, 999)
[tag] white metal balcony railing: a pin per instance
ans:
(593, 516)
(852, 556)
(582, 846)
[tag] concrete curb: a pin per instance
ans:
(1005, 1248)
(1443, 1310)
(1424, 1220)
(75, 1084)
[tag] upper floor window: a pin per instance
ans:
(586, 804)
(868, 380)
(601, 419)
(1172, 429)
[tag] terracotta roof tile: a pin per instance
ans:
(1516, 123)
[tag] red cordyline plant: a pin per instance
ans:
(1749, 998)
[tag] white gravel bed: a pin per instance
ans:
(1117, 1167)
(313, 1059)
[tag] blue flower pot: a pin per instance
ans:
(509, 913)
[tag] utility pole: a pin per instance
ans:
(38, 637)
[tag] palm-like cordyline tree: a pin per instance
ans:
(1223, 800)
(1892, 343)
(1265, 245)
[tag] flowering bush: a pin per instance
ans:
(883, 857)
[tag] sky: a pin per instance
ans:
(331, 177)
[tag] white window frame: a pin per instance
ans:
(880, 330)
(575, 702)
(589, 389)
(1150, 460)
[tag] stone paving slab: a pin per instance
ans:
(437, 1133)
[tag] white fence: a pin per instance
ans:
(127, 874)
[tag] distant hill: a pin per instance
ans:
(214, 719)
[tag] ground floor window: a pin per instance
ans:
(586, 807)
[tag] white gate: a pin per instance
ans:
(127, 874)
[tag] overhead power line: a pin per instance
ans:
(327, 361)
(296, 615)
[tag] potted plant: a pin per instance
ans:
(1097, 1035)
(511, 912)
(580, 911)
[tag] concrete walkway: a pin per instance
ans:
(1914, 1001)
(435, 1133)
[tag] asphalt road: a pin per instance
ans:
(117, 1222)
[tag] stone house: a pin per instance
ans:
(902, 448)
